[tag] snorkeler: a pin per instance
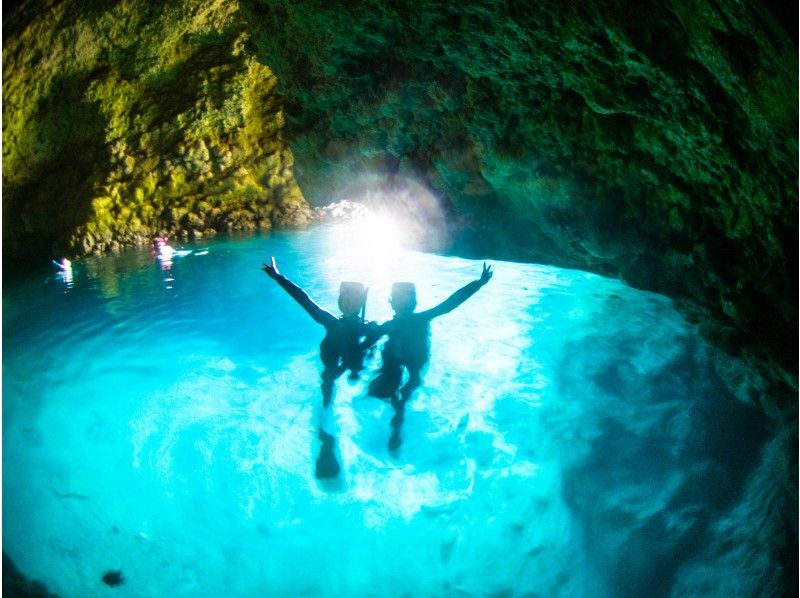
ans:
(64, 265)
(64, 271)
(408, 345)
(161, 249)
(342, 348)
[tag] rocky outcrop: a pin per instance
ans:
(656, 141)
(17, 585)
(652, 140)
(124, 120)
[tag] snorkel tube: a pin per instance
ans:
(364, 306)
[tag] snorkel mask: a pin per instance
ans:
(352, 298)
(404, 297)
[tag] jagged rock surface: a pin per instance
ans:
(656, 141)
(123, 120)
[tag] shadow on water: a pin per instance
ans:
(327, 465)
(650, 486)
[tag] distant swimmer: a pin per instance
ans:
(64, 273)
(408, 345)
(161, 248)
(64, 265)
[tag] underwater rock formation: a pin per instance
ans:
(16, 584)
(656, 141)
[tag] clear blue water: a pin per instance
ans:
(573, 437)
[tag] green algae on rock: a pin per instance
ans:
(655, 141)
(123, 120)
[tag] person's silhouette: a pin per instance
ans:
(408, 345)
(327, 466)
(341, 349)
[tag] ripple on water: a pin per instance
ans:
(565, 420)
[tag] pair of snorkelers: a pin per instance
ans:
(347, 338)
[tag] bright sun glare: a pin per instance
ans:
(379, 225)
(381, 233)
(376, 237)
(369, 249)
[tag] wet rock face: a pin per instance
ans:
(654, 140)
(126, 119)
(16, 584)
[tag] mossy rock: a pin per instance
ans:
(129, 118)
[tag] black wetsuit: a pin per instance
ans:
(409, 345)
(341, 348)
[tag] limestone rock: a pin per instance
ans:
(655, 140)
(123, 120)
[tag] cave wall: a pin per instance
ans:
(652, 140)
(126, 119)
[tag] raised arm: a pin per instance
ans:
(461, 295)
(320, 316)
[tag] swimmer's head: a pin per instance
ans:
(404, 297)
(352, 296)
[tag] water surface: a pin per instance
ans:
(573, 436)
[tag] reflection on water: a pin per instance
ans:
(572, 436)
(65, 278)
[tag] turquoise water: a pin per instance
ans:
(573, 437)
